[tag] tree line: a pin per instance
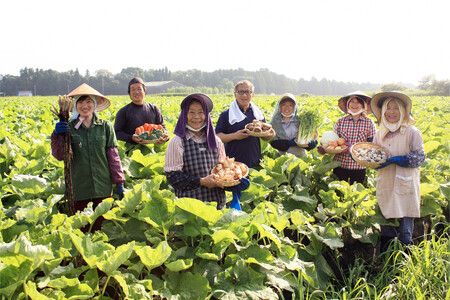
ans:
(50, 82)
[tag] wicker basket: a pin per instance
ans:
(154, 141)
(334, 151)
(258, 134)
(364, 163)
(316, 136)
(231, 183)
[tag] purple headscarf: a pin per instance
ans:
(180, 128)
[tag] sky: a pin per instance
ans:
(382, 41)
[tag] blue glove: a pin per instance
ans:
(236, 190)
(312, 145)
(235, 202)
(120, 191)
(61, 127)
(292, 142)
(402, 161)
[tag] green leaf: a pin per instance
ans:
(223, 235)
(29, 184)
(159, 212)
(153, 258)
(430, 146)
(180, 265)
(22, 247)
(81, 291)
(196, 207)
(323, 168)
(63, 282)
(427, 188)
(242, 282)
(92, 252)
(112, 260)
(31, 291)
(188, 285)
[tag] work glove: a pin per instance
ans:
(401, 161)
(347, 151)
(120, 191)
(292, 142)
(61, 127)
(312, 145)
(236, 190)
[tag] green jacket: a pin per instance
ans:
(90, 169)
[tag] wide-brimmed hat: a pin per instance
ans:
(84, 89)
(342, 102)
(377, 103)
(200, 97)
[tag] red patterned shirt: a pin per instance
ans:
(353, 132)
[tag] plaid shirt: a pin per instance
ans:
(353, 132)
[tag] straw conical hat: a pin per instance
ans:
(378, 100)
(84, 89)
(342, 102)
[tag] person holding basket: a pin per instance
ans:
(231, 126)
(136, 113)
(398, 181)
(354, 127)
(194, 152)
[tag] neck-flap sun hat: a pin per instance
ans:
(377, 103)
(342, 102)
(84, 89)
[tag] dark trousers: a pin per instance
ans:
(350, 176)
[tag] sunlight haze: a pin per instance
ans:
(358, 41)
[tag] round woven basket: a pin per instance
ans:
(258, 134)
(364, 163)
(334, 151)
(233, 182)
(316, 136)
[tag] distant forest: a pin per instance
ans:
(50, 82)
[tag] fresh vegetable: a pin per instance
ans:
(329, 136)
(370, 154)
(310, 121)
(150, 131)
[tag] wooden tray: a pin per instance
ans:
(258, 134)
(233, 182)
(334, 151)
(364, 163)
(316, 136)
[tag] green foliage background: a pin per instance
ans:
(296, 226)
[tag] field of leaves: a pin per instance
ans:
(300, 231)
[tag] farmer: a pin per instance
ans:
(398, 182)
(355, 127)
(285, 122)
(230, 127)
(194, 151)
(96, 163)
(136, 113)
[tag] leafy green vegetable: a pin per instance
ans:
(310, 121)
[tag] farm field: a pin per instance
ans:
(301, 233)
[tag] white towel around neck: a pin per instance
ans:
(235, 115)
